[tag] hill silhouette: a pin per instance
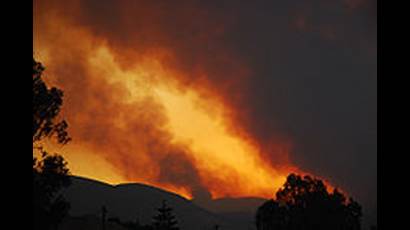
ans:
(131, 202)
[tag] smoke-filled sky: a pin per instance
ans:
(216, 98)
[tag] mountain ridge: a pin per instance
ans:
(137, 201)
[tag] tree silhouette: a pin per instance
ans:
(46, 106)
(305, 203)
(164, 220)
(50, 172)
(49, 176)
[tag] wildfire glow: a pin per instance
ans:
(122, 120)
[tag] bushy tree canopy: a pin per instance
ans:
(304, 203)
(47, 104)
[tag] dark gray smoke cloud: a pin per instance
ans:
(315, 82)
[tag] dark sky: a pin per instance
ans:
(312, 79)
(317, 84)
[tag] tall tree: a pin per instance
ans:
(164, 220)
(50, 172)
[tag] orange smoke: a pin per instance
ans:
(141, 114)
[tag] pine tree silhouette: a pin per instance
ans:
(164, 220)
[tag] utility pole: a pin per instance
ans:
(104, 214)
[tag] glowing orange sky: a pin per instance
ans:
(214, 150)
(116, 113)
